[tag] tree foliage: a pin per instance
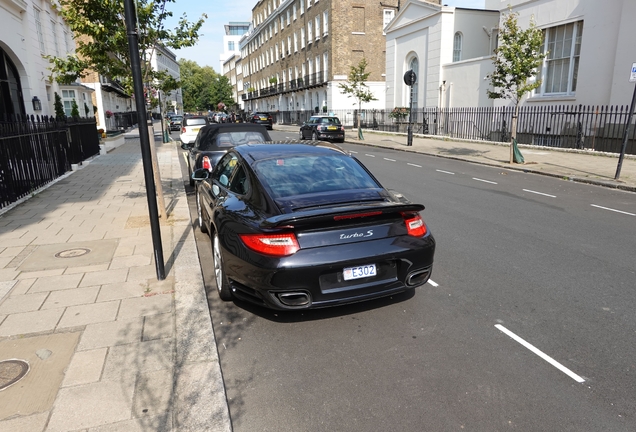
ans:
(102, 41)
(203, 88)
(74, 109)
(59, 108)
(517, 59)
(356, 86)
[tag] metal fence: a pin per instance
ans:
(597, 128)
(36, 150)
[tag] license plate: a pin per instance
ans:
(332, 128)
(359, 272)
(264, 118)
(195, 129)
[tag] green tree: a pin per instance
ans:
(517, 60)
(357, 88)
(102, 42)
(203, 88)
(74, 109)
(59, 108)
(86, 110)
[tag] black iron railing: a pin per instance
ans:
(308, 81)
(597, 128)
(36, 150)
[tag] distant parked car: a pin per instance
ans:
(190, 127)
(214, 140)
(175, 122)
(263, 118)
(323, 128)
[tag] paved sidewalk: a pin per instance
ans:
(109, 347)
(576, 165)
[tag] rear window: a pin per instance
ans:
(231, 139)
(195, 121)
(177, 118)
(300, 175)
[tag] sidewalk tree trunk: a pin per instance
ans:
(357, 88)
(517, 60)
(101, 40)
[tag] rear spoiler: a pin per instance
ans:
(325, 214)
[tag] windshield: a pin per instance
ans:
(304, 174)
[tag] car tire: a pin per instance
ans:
(202, 226)
(300, 135)
(314, 136)
(222, 284)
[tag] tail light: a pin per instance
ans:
(415, 225)
(272, 244)
(183, 130)
(206, 163)
(255, 118)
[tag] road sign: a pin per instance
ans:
(632, 77)
(410, 77)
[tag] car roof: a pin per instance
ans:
(272, 149)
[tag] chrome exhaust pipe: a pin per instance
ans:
(418, 277)
(294, 298)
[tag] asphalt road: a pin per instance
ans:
(527, 325)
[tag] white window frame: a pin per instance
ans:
(302, 37)
(68, 96)
(56, 47)
(302, 7)
(458, 42)
(310, 32)
(386, 22)
(325, 23)
(295, 42)
(294, 10)
(572, 61)
(317, 20)
(38, 29)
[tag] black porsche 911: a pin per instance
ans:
(307, 225)
(214, 140)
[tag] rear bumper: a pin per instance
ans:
(402, 263)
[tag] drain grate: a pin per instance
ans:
(12, 371)
(72, 253)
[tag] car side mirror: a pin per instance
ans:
(186, 146)
(200, 174)
(216, 190)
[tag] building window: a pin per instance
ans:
(310, 32)
(358, 20)
(387, 15)
(289, 45)
(457, 47)
(66, 46)
(317, 27)
(38, 28)
(325, 65)
(294, 9)
(54, 33)
(230, 46)
(68, 96)
(302, 7)
(562, 44)
(11, 102)
(288, 18)
(302, 37)
(325, 23)
(295, 42)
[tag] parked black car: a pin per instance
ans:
(263, 118)
(215, 139)
(323, 128)
(306, 225)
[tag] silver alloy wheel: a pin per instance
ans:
(300, 135)
(218, 270)
(314, 137)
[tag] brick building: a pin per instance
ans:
(298, 51)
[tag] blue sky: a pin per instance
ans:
(208, 50)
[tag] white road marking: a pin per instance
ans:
(392, 160)
(369, 155)
(539, 193)
(445, 172)
(415, 165)
(435, 284)
(540, 353)
(351, 151)
(614, 210)
(485, 181)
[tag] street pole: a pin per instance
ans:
(626, 136)
(151, 194)
(409, 136)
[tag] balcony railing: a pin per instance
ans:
(308, 81)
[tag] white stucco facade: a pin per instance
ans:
(607, 48)
(163, 59)
(29, 31)
(449, 73)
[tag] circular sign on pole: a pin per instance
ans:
(410, 77)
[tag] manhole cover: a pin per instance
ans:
(72, 253)
(12, 371)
